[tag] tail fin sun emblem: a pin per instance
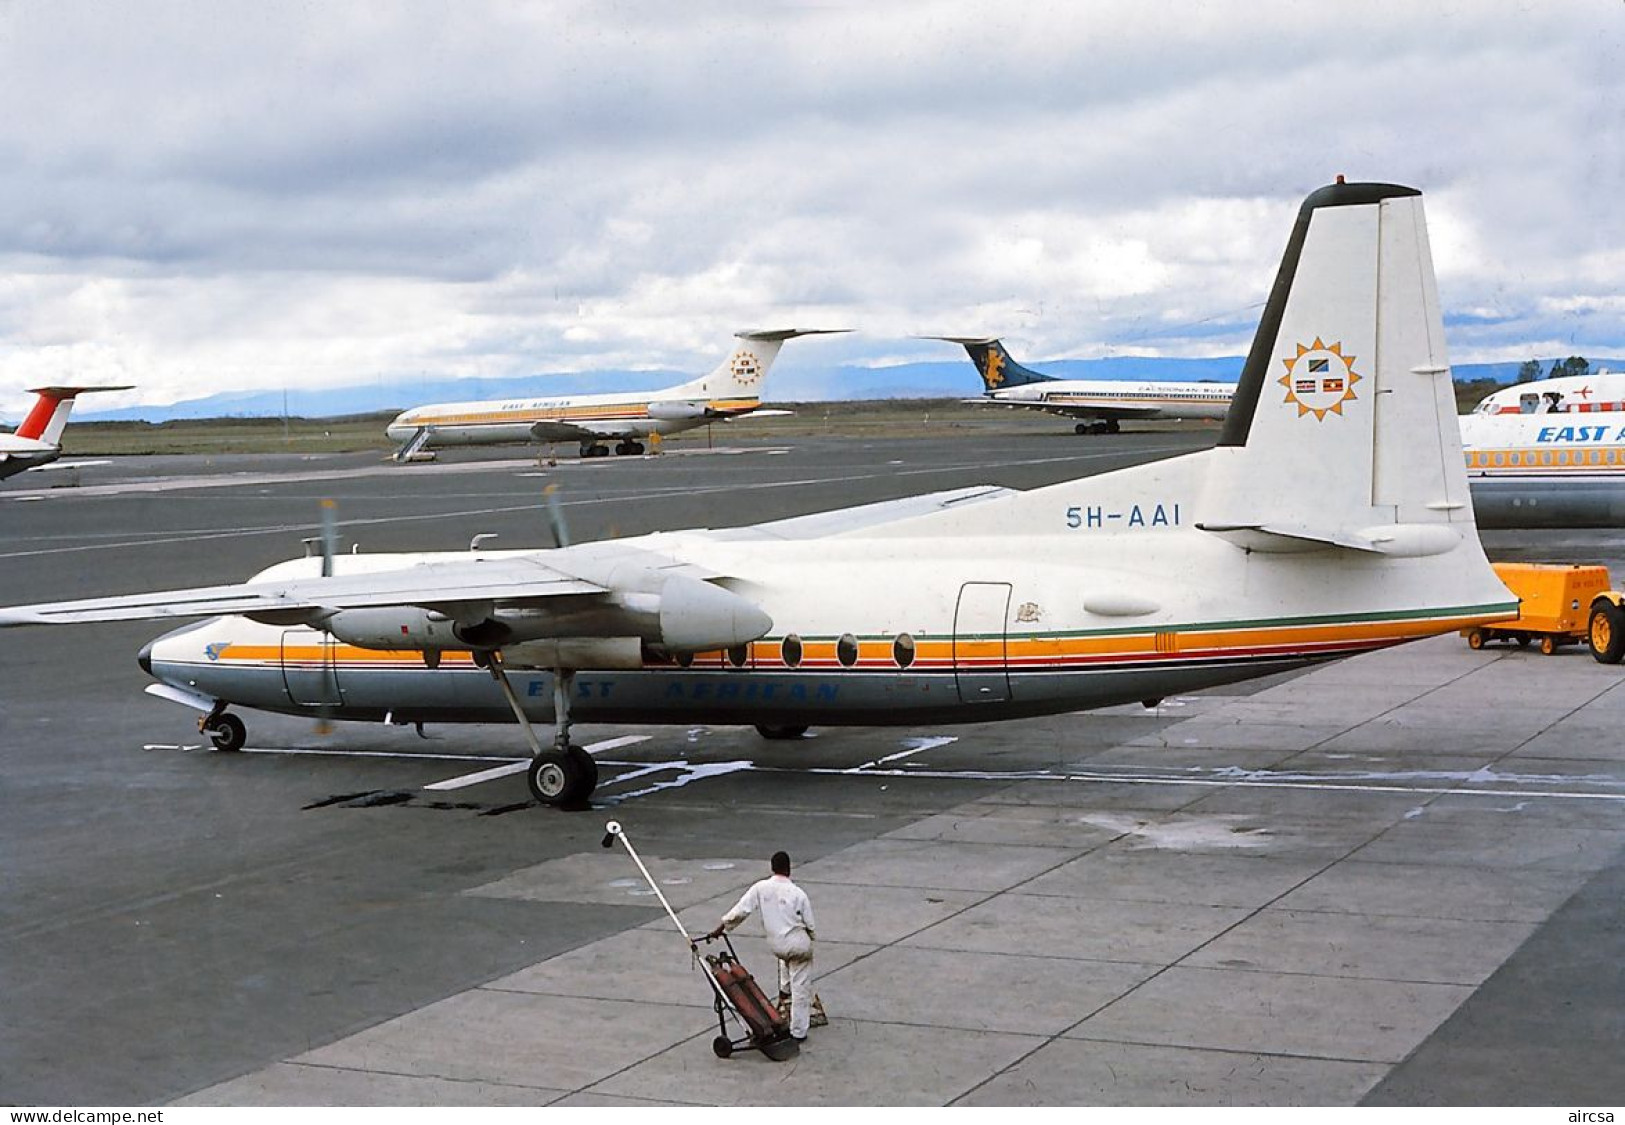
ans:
(745, 368)
(1319, 379)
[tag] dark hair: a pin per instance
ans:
(781, 863)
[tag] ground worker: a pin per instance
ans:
(788, 919)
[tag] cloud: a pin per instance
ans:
(259, 195)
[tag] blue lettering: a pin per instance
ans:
(1159, 518)
(727, 691)
(798, 691)
(826, 693)
(1094, 517)
(533, 689)
(701, 690)
(1136, 518)
(1545, 434)
(674, 690)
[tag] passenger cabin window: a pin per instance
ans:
(790, 651)
(846, 650)
(739, 655)
(902, 650)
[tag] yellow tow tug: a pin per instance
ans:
(1559, 605)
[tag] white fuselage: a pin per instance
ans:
(1124, 399)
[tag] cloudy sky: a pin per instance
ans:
(199, 197)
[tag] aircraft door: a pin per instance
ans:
(980, 669)
(310, 668)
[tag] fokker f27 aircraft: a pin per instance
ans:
(1100, 403)
(1332, 518)
(38, 441)
(731, 390)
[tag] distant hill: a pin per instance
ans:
(938, 379)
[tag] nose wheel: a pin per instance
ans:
(225, 730)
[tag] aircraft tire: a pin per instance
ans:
(227, 732)
(562, 779)
(775, 733)
(1081, 428)
(1605, 633)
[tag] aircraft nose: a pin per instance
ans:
(144, 658)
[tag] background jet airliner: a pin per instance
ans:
(1599, 393)
(731, 390)
(1546, 470)
(1101, 402)
(1331, 518)
(38, 441)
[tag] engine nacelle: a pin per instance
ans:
(677, 411)
(394, 628)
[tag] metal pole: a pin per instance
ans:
(613, 831)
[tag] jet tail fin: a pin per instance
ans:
(1347, 371)
(993, 363)
(745, 369)
(49, 415)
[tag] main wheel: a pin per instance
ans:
(226, 731)
(1605, 635)
(769, 731)
(1081, 428)
(563, 780)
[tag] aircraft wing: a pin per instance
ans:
(432, 585)
(569, 431)
(60, 466)
(494, 601)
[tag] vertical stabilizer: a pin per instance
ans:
(49, 415)
(994, 364)
(1347, 371)
(742, 374)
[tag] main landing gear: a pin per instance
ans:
(1109, 426)
(625, 448)
(563, 775)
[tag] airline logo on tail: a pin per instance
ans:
(1319, 379)
(993, 370)
(746, 367)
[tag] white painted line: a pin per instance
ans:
(914, 746)
(512, 768)
(484, 775)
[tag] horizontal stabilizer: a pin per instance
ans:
(1286, 541)
(782, 334)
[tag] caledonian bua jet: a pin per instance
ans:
(1100, 403)
(37, 443)
(1332, 518)
(731, 390)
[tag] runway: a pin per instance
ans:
(1394, 880)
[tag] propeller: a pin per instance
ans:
(330, 672)
(555, 516)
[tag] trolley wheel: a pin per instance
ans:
(722, 1046)
(1475, 639)
(1548, 645)
(1605, 635)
